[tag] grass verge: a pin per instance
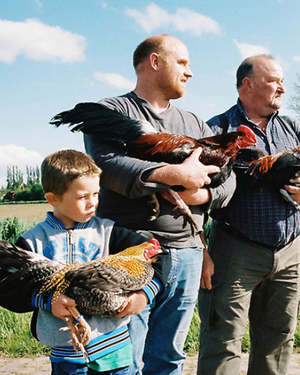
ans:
(16, 339)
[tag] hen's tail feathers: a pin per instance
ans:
(19, 265)
(95, 118)
(13, 257)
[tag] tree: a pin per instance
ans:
(14, 177)
(9, 178)
(33, 176)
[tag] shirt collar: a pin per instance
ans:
(244, 114)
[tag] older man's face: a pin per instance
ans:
(268, 85)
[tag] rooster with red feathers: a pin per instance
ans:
(140, 140)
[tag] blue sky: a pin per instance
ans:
(55, 54)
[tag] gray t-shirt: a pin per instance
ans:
(124, 191)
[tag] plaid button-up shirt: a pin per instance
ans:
(262, 214)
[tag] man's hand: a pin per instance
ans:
(194, 174)
(207, 267)
(294, 190)
(191, 174)
(207, 271)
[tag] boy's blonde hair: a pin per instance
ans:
(62, 167)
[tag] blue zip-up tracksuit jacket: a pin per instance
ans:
(86, 241)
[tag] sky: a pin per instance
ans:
(55, 54)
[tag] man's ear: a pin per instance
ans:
(51, 199)
(247, 83)
(154, 60)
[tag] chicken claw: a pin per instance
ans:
(183, 210)
(80, 331)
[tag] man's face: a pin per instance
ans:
(175, 70)
(268, 86)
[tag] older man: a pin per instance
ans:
(254, 243)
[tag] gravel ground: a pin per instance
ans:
(41, 366)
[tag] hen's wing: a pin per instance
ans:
(101, 287)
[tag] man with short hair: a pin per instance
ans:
(254, 243)
(162, 66)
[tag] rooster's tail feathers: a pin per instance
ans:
(95, 118)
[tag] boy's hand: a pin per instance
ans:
(135, 303)
(59, 307)
(80, 332)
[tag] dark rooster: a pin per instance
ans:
(142, 141)
(98, 287)
(273, 171)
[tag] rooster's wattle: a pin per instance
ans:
(140, 140)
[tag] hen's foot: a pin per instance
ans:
(80, 331)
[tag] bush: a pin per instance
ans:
(11, 229)
(15, 336)
(34, 193)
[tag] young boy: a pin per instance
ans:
(72, 234)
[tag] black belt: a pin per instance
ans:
(236, 233)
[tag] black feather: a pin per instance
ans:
(98, 287)
(95, 118)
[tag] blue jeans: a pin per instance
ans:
(158, 334)
(66, 368)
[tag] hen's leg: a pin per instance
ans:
(80, 331)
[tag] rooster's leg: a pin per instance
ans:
(184, 211)
(154, 205)
(80, 331)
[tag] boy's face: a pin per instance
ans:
(79, 202)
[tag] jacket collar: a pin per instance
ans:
(56, 224)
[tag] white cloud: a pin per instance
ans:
(115, 80)
(296, 58)
(247, 50)
(184, 19)
(19, 156)
(39, 42)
